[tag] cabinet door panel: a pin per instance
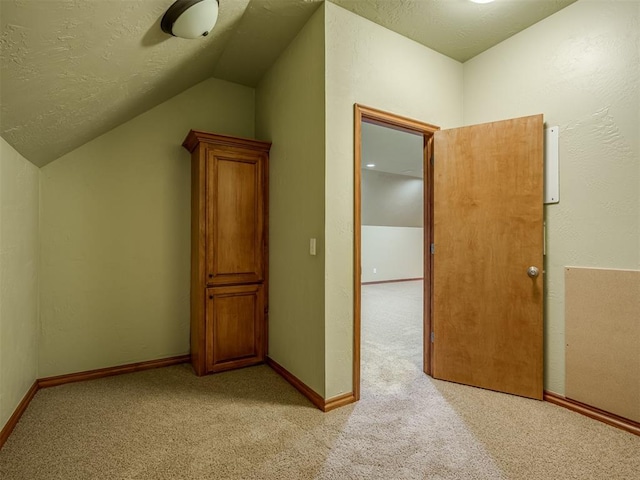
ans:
(235, 217)
(234, 327)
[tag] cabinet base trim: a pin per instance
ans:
(316, 399)
(593, 412)
(234, 364)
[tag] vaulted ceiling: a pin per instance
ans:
(73, 69)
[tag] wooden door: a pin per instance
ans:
(235, 216)
(488, 231)
(234, 327)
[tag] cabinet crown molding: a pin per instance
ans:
(197, 136)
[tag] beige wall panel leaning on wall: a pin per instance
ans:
(603, 332)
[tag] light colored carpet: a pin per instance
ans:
(250, 424)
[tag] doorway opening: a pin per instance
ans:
(372, 123)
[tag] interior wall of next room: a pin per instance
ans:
(392, 225)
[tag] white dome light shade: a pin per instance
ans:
(190, 18)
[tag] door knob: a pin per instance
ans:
(533, 272)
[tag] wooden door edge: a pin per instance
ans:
(428, 258)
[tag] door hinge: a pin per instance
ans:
(266, 310)
(433, 249)
(432, 159)
(432, 337)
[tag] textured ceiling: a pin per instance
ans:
(458, 29)
(73, 69)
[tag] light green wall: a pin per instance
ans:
(19, 211)
(370, 65)
(581, 69)
(114, 249)
(290, 113)
(115, 229)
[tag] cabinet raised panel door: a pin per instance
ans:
(229, 245)
(235, 217)
(234, 326)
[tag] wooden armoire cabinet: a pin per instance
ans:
(229, 221)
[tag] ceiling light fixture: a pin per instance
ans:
(190, 18)
(371, 165)
(482, 1)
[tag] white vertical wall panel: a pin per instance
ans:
(395, 252)
(551, 176)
